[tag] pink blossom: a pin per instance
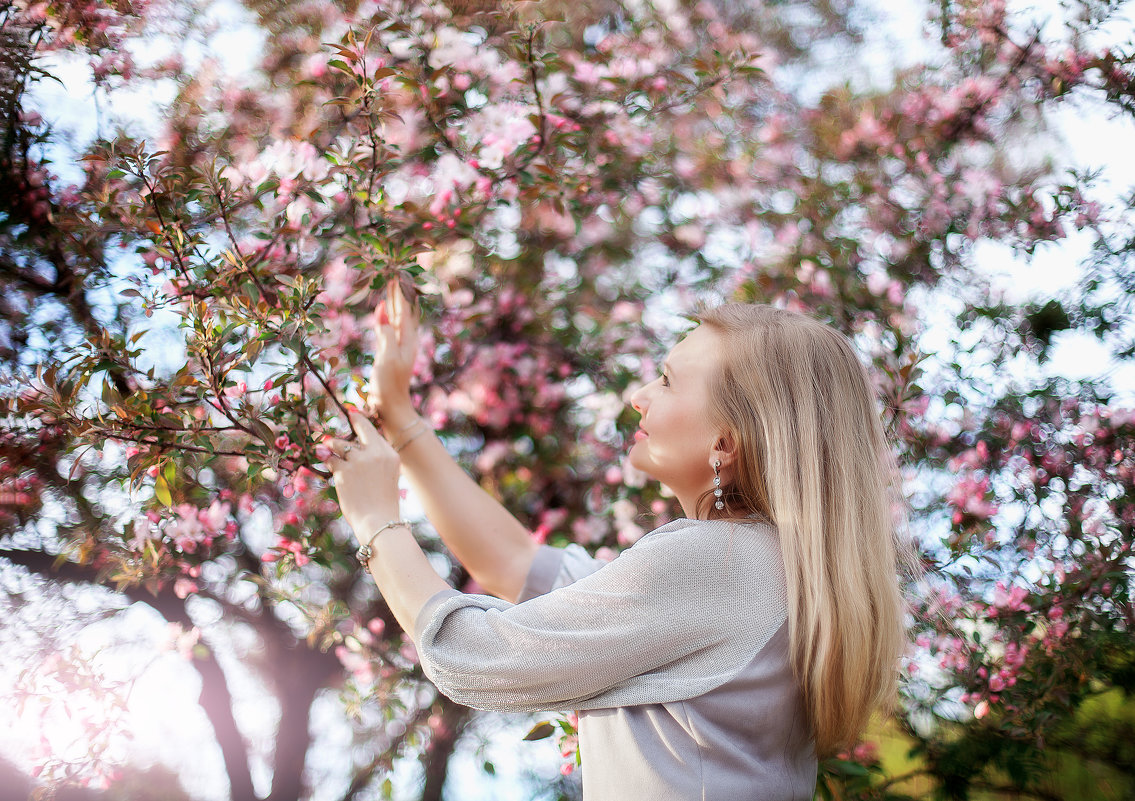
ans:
(143, 532)
(1010, 599)
(968, 498)
(357, 664)
(629, 534)
(691, 235)
(865, 752)
(409, 652)
(587, 73)
(587, 530)
(215, 516)
(180, 640)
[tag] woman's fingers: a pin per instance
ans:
(404, 316)
(397, 311)
(339, 447)
(395, 349)
(337, 451)
(368, 434)
(408, 322)
(394, 296)
(384, 333)
(412, 314)
(400, 311)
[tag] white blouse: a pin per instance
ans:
(675, 655)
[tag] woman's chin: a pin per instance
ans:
(636, 458)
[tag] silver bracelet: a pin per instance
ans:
(398, 448)
(404, 430)
(364, 553)
(417, 419)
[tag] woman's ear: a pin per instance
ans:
(725, 449)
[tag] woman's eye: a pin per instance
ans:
(665, 380)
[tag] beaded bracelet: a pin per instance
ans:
(365, 552)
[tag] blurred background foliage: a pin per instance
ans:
(195, 226)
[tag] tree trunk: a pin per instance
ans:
(454, 718)
(298, 674)
(215, 697)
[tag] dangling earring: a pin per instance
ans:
(717, 491)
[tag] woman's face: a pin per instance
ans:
(675, 438)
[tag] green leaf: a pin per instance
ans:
(540, 731)
(847, 768)
(262, 430)
(161, 491)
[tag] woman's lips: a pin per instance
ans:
(639, 434)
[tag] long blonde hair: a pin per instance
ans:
(812, 459)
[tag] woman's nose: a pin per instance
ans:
(637, 398)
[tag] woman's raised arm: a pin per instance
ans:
(492, 544)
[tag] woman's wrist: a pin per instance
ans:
(398, 416)
(408, 434)
(367, 544)
(365, 525)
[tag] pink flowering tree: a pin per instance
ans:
(185, 319)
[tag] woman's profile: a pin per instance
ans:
(725, 650)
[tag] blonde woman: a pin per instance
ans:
(721, 653)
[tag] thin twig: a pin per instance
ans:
(271, 295)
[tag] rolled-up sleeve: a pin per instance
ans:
(650, 611)
(553, 568)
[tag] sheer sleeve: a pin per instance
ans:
(674, 616)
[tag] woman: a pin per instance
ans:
(722, 652)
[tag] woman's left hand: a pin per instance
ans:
(366, 477)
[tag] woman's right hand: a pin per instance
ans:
(490, 542)
(396, 322)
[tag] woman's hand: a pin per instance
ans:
(396, 348)
(366, 477)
